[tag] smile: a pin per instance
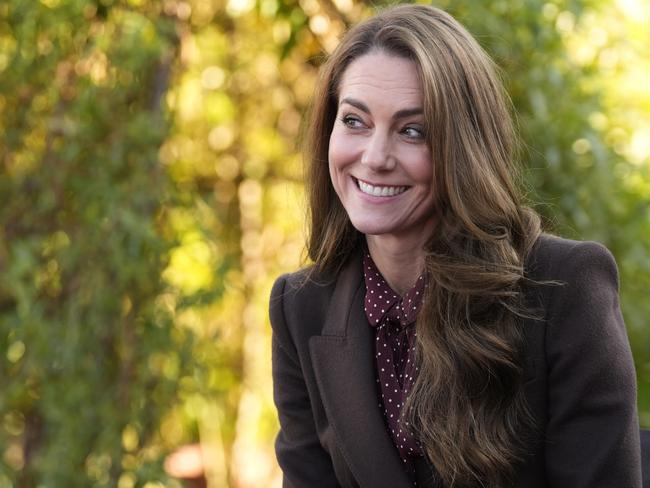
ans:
(380, 191)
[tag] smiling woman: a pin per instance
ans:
(379, 161)
(440, 339)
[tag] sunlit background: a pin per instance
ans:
(151, 191)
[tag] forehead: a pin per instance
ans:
(378, 74)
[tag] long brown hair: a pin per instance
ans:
(467, 405)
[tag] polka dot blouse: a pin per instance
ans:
(393, 318)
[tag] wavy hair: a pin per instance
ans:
(467, 405)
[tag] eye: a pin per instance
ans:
(413, 132)
(352, 121)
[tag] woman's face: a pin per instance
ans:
(379, 160)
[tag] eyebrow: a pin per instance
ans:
(400, 114)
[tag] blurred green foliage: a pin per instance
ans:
(91, 357)
(150, 191)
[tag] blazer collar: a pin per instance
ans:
(343, 360)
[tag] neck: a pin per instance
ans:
(400, 264)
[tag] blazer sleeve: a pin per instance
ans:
(592, 432)
(303, 460)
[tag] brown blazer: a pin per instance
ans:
(579, 380)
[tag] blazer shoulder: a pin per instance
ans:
(557, 258)
(300, 286)
(298, 304)
(590, 383)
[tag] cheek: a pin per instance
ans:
(334, 150)
(333, 162)
(419, 166)
(341, 148)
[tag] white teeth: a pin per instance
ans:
(380, 191)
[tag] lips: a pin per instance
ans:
(380, 190)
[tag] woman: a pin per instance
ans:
(440, 339)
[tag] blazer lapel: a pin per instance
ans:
(343, 360)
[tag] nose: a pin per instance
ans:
(377, 154)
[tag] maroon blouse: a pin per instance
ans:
(393, 318)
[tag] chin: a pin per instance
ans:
(370, 228)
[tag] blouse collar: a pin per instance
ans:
(383, 303)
